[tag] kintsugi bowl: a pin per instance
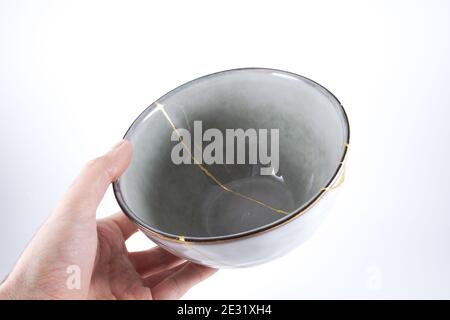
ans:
(239, 213)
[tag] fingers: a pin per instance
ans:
(126, 226)
(88, 189)
(154, 279)
(153, 260)
(178, 283)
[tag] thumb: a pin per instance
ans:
(84, 195)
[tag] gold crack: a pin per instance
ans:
(201, 253)
(208, 173)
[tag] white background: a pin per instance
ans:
(75, 74)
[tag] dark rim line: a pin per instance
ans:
(182, 239)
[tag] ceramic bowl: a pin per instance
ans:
(237, 213)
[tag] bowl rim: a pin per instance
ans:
(255, 231)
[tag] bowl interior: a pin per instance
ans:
(214, 200)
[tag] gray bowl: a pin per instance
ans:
(231, 214)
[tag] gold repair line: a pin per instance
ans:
(187, 244)
(201, 253)
(209, 174)
(339, 180)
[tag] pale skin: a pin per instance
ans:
(72, 236)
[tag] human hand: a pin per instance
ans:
(72, 243)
